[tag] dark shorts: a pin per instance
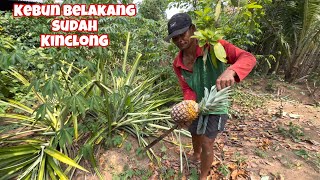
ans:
(213, 127)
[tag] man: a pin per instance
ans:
(188, 66)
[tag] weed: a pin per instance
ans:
(302, 153)
(292, 131)
(139, 152)
(115, 141)
(131, 173)
(167, 173)
(224, 170)
(310, 157)
(239, 158)
(194, 174)
(260, 153)
(163, 149)
(271, 87)
(128, 146)
(287, 162)
(246, 101)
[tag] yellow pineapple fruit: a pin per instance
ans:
(189, 110)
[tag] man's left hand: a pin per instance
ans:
(226, 79)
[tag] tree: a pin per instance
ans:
(291, 33)
(153, 9)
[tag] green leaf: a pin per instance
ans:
(17, 105)
(57, 169)
(199, 35)
(117, 140)
(88, 154)
(51, 87)
(247, 13)
(30, 168)
(64, 137)
(63, 158)
(16, 159)
(40, 66)
(42, 168)
(207, 10)
(77, 103)
(95, 102)
(128, 146)
(303, 153)
(202, 43)
(50, 171)
(217, 11)
(18, 165)
(126, 53)
(75, 126)
(163, 149)
(17, 116)
(133, 71)
(199, 13)
(213, 58)
(220, 52)
(41, 110)
(13, 154)
(254, 6)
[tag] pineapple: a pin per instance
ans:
(189, 110)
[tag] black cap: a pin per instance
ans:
(178, 24)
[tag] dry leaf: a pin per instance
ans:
(234, 138)
(215, 163)
(294, 116)
(265, 178)
(154, 176)
(263, 172)
(254, 177)
(232, 166)
(237, 173)
(234, 174)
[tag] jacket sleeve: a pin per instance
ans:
(242, 61)
(188, 93)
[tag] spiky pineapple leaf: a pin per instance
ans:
(215, 100)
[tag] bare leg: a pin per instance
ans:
(197, 147)
(206, 157)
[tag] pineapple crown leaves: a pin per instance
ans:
(214, 100)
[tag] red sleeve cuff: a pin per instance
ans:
(237, 78)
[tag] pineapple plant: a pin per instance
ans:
(189, 110)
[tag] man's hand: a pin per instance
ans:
(226, 79)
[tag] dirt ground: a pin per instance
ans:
(274, 134)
